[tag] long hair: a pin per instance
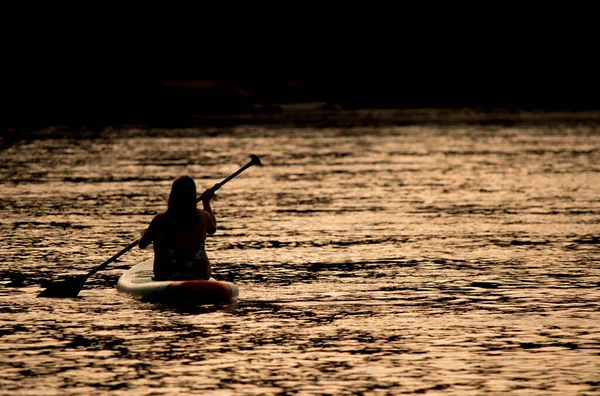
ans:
(182, 201)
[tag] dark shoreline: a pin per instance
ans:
(317, 115)
(37, 104)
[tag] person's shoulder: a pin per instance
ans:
(160, 215)
(159, 218)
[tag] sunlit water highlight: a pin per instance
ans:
(378, 252)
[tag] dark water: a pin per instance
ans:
(379, 252)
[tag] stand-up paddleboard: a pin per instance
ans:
(137, 282)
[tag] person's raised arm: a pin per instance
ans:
(211, 226)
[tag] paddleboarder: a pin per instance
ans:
(179, 234)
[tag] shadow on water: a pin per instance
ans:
(183, 308)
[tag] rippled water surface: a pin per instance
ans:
(378, 252)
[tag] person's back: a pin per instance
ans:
(179, 234)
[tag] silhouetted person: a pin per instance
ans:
(179, 234)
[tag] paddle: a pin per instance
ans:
(72, 286)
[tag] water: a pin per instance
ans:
(376, 252)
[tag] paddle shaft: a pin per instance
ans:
(113, 258)
(243, 168)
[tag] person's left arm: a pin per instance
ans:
(148, 235)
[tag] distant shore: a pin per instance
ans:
(317, 115)
(36, 104)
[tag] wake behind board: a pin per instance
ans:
(138, 283)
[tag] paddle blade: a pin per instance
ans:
(65, 288)
(255, 160)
